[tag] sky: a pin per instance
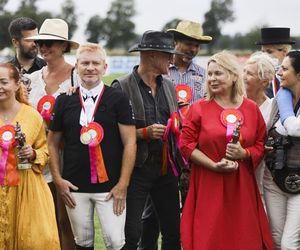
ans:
(154, 14)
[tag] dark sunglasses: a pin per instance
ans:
(47, 43)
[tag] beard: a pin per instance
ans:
(28, 54)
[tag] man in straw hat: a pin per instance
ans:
(155, 108)
(276, 42)
(26, 59)
(188, 79)
(97, 127)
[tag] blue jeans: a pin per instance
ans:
(163, 190)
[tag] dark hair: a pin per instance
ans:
(294, 55)
(14, 74)
(20, 24)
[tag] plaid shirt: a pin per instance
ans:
(194, 77)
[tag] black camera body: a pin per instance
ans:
(279, 144)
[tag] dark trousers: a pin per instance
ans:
(164, 194)
(150, 227)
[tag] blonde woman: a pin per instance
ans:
(223, 209)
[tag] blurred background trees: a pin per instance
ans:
(116, 30)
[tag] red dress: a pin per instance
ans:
(223, 210)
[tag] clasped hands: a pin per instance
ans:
(234, 152)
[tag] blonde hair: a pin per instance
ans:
(288, 47)
(91, 47)
(230, 63)
(15, 75)
(265, 65)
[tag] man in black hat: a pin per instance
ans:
(188, 79)
(154, 105)
(276, 42)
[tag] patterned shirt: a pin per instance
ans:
(194, 77)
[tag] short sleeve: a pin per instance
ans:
(56, 123)
(124, 109)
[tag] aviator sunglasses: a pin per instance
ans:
(47, 43)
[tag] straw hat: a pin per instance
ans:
(190, 30)
(54, 29)
(155, 41)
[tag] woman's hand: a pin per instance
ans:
(235, 151)
(26, 152)
(226, 165)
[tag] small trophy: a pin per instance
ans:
(20, 138)
(235, 138)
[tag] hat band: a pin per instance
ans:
(156, 46)
(48, 34)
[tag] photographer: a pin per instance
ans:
(282, 178)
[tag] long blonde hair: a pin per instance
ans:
(230, 63)
(14, 74)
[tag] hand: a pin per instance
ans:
(226, 165)
(235, 151)
(63, 186)
(284, 101)
(156, 131)
(118, 193)
(71, 91)
(26, 152)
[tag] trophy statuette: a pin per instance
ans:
(20, 138)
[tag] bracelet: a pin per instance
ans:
(145, 134)
(247, 156)
(33, 155)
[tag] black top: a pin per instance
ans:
(156, 107)
(113, 108)
(37, 65)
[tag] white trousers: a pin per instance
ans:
(283, 210)
(82, 220)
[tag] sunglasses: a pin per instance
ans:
(47, 43)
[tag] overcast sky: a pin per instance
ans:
(153, 14)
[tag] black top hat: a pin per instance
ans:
(157, 41)
(275, 36)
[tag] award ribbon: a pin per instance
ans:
(184, 96)
(229, 118)
(45, 107)
(92, 134)
(8, 159)
(174, 126)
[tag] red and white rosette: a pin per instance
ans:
(229, 118)
(45, 107)
(184, 96)
(92, 135)
(8, 159)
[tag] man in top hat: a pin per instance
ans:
(188, 79)
(97, 127)
(154, 105)
(26, 59)
(276, 42)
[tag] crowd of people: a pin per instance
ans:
(206, 157)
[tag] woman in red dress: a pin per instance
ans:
(223, 209)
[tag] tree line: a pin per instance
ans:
(116, 30)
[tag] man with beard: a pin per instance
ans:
(188, 79)
(26, 59)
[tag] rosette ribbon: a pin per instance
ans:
(173, 125)
(229, 118)
(45, 107)
(184, 96)
(8, 160)
(94, 134)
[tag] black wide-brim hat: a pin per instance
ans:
(156, 41)
(275, 35)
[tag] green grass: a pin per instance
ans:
(107, 79)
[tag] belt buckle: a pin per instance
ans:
(24, 166)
